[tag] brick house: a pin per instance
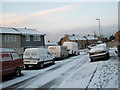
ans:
(117, 35)
(82, 42)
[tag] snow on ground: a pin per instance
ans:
(81, 77)
(53, 74)
(101, 74)
(67, 63)
(28, 74)
(106, 75)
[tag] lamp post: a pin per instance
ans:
(99, 26)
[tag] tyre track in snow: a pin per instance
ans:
(91, 77)
(57, 81)
(28, 81)
(90, 81)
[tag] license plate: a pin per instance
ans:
(97, 53)
(27, 61)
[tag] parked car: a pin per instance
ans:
(11, 62)
(37, 57)
(98, 52)
(58, 51)
(72, 47)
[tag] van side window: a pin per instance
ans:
(15, 56)
(5, 56)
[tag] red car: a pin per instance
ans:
(10, 62)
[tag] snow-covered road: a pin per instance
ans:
(74, 72)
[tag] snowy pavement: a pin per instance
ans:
(74, 72)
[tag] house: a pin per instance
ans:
(82, 42)
(31, 38)
(91, 39)
(73, 38)
(117, 36)
(20, 38)
(10, 39)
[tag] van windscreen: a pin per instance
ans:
(34, 54)
(27, 54)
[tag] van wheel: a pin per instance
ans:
(18, 72)
(53, 61)
(41, 65)
(26, 66)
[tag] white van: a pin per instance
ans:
(72, 47)
(58, 51)
(37, 57)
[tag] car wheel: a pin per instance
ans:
(18, 72)
(107, 56)
(26, 66)
(92, 60)
(41, 65)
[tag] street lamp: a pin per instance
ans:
(99, 26)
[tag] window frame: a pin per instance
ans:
(10, 38)
(36, 38)
(27, 38)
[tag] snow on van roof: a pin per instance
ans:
(6, 50)
(26, 31)
(50, 44)
(35, 49)
(8, 30)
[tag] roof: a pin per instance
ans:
(91, 38)
(87, 38)
(6, 30)
(71, 37)
(25, 31)
(82, 38)
(74, 38)
(6, 50)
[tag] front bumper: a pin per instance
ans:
(99, 56)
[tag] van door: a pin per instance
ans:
(17, 61)
(49, 56)
(6, 63)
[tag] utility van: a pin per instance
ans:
(10, 62)
(59, 52)
(37, 57)
(72, 47)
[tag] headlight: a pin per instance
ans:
(91, 53)
(103, 52)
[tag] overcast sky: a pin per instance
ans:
(58, 18)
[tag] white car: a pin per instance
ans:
(98, 52)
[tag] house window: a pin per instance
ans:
(27, 38)
(10, 38)
(37, 38)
